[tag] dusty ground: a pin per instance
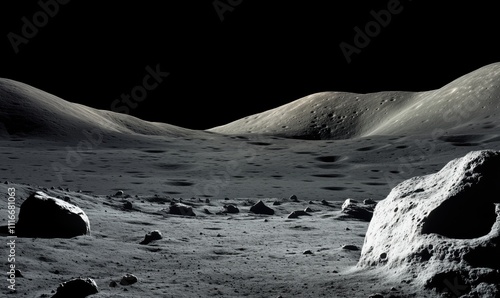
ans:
(242, 255)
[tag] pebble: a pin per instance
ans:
(128, 279)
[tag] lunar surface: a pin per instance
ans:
(169, 208)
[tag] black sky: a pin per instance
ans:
(263, 54)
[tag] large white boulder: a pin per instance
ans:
(43, 216)
(442, 231)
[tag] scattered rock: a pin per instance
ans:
(151, 236)
(231, 209)
(181, 209)
(443, 228)
(294, 198)
(76, 288)
(18, 273)
(42, 216)
(356, 210)
(325, 202)
(128, 279)
(128, 205)
(350, 247)
(261, 208)
(369, 202)
(276, 203)
(298, 213)
(307, 252)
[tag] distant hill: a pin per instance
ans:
(26, 111)
(471, 99)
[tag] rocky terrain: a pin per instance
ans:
(333, 195)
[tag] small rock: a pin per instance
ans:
(307, 252)
(350, 247)
(357, 211)
(231, 209)
(261, 208)
(76, 288)
(206, 211)
(128, 279)
(298, 213)
(113, 284)
(325, 202)
(119, 193)
(128, 205)
(151, 236)
(369, 202)
(18, 273)
(311, 202)
(207, 201)
(276, 203)
(377, 295)
(294, 198)
(308, 210)
(181, 209)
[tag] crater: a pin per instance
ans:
(334, 188)
(332, 175)
(329, 159)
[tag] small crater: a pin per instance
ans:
(329, 159)
(333, 175)
(260, 143)
(374, 183)
(367, 148)
(180, 183)
(154, 151)
(334, 188)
